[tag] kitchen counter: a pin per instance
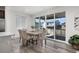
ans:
(6, 34)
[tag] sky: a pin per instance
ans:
(62, 20)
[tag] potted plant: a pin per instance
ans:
(74, 41)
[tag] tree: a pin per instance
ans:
(57, 24)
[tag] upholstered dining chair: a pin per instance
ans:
(24, 38)
(35, 38)
(20, 35)
(42, 37)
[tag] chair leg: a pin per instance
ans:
(20, 39)
(23, 43)
(32, 41)
(28, 42)
(41, 41)
(45, 42)
(36, 42)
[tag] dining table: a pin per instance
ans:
(35, 35)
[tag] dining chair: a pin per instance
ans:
(25, 38)
(42, 37)
(35, 38)
(20, 35)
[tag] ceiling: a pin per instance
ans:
(32, 10)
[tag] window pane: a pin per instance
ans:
(50, 26)
(42, 22)
(60, 26)
(37, 23)
(20, 22)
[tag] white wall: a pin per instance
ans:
(10, 17)
(71, 13)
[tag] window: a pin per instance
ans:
(40, 22)
(60, 26)
(20, 22)
(37, 22)
(55, 25)
(50, 25)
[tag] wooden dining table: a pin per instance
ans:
(35, 35)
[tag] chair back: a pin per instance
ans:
(20, 33)
(43, 34)
(23, 34)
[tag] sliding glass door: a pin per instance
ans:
(50, 25)
(55, 24)
(60, 26)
